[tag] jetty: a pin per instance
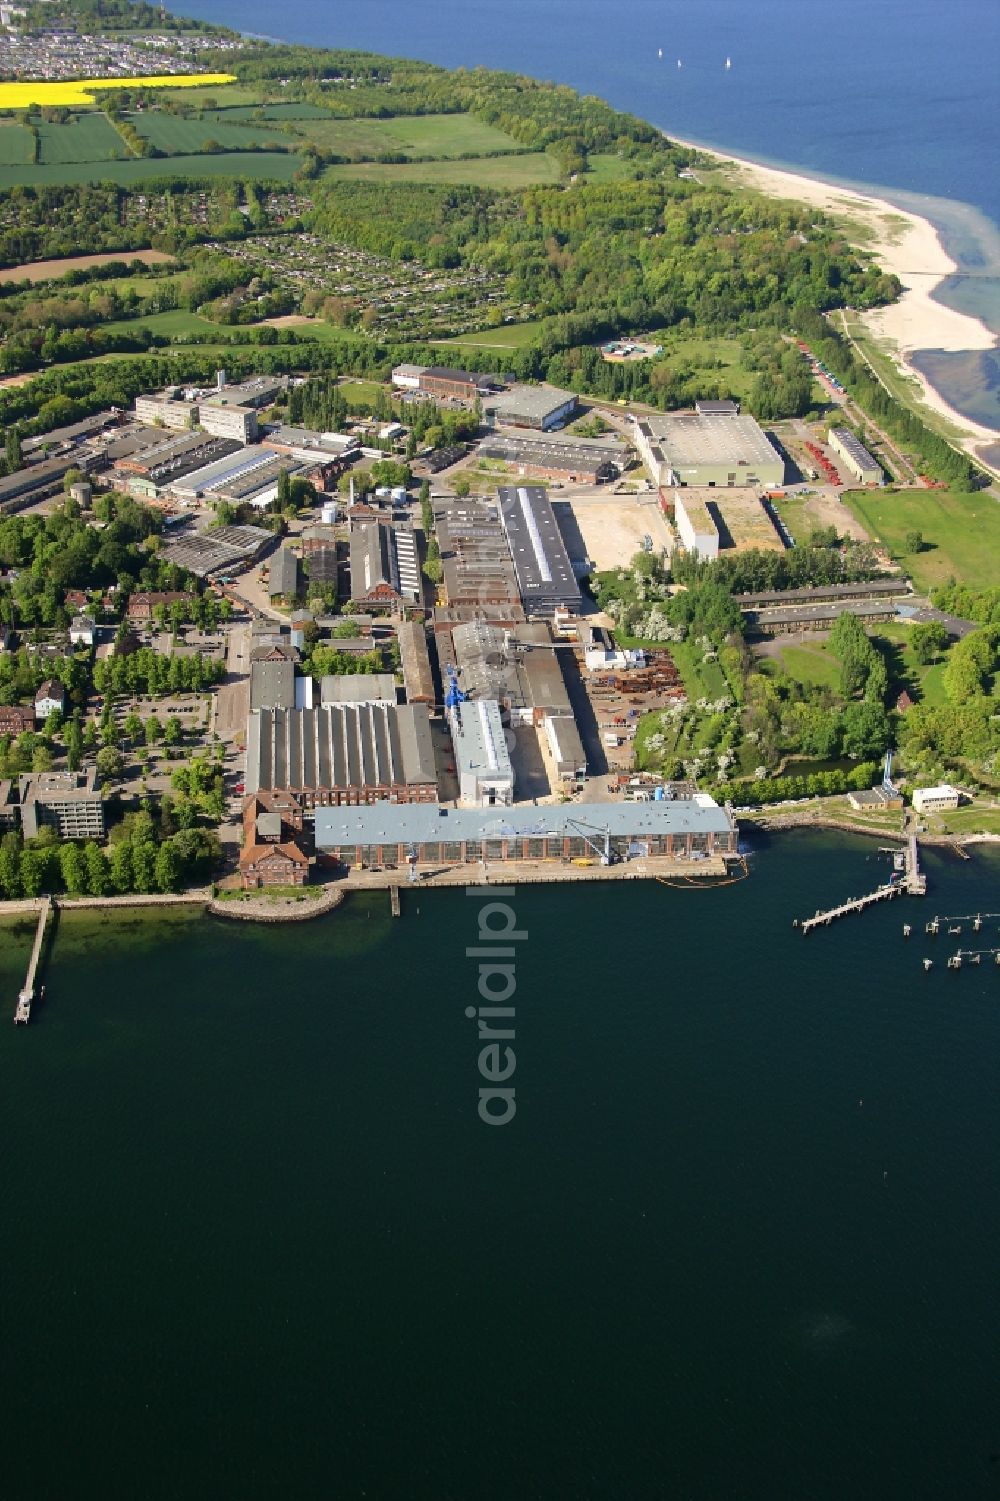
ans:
(22, 1014)
(394, 902)
(908, 879)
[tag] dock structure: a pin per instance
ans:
(394, 901)
(913, 882)
(22, 1014)
(855, 904)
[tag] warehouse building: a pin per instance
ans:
(855, 457)
(696, 529)
(414, 657)
(384, 569)
(37, 482)
(272, 684)
(475, 558)
(545, 574)
(539, 407)
(346, 753)
(219, 550)
(566, 749)
(518, 667)
(714, 450)
(259, 391)
(443, 382)
(283, 575)
(482, 759)
(67, 801)
(385, 837)
(407, 377)
(359, 688)
(543, 458)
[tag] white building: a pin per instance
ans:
(82, 631)
(695, 527)
(165, 411)
(482, 760)
(224, 420)
(599, 659)
(407, 377)
(936, 799)
(50, 697)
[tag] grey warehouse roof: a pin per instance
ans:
(425, 823)
(544, 571)
(339, 746)
(689, 439)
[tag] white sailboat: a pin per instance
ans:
(659, 51)
(729, 64)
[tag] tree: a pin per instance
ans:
(12, 450)
(110, 762)
(120, 861)
(167, 868)
(74, 745)
(154, 730)
(133, 727)
(98, 876)
(928, 640)
(914, 542)
(73, 867)
(172, 731)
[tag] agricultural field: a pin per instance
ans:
(69, 93)
(439, 136)
(961, 533)
(483, 172)
(88, 137)
(175, 136)
(16, 144)
(261, 166)
(176, 324)
(38, 271)
(243, 114)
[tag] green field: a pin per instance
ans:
(601, 168)
(177, 137)
(962, 532)
(507, 336)
(258, 165)
(89, 137)
(242, 113)
(810, 665)
(440, 136)
(16, 144)
(484, 172)
(214, 95)
(178, 321)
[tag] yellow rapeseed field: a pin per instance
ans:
(82, 90)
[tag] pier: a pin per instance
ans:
(394, 901)
(22, 1015)
(913, 883)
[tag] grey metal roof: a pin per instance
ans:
(272, 685)
(544, 571)
(424, 823)
(534, 403)
(339, 746)
(358, 688)
(687, 440)
(283, 575)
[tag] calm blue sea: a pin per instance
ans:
(899, 95)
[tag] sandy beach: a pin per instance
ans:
(902, 243)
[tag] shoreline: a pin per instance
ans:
(905, 244)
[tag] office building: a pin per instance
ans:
(67, 801)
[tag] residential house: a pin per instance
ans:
(50, 697)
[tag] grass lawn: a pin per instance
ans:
(178, 137)
(86, 138)
(222, 95)
(507, 336)
(361, 390)
(176, 322)
(260, 166)
(241, 113)
(924, 683)
(682, 353)
(962, 532)
(812, 664)
(441, 136)
(608, 168)
(972, 819)
(484, 172)
(802, 515)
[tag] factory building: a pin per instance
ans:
(283, 575)
(384, 570)
(546, 458)
(716, 450)
(539, 407)
(566, 748)
(38, 481)
(545, 574)
(475, 558)
(166, 411)
(385, 837)
(482, 760)
(378, 688)
(518, 667)
(696, 529)
(414, 657)
(855, 457)
(346, 753)
(407, 377)
(227, 420)
(442, 381)
(272, 684)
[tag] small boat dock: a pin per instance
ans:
(22, 1014)
(908, 879)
